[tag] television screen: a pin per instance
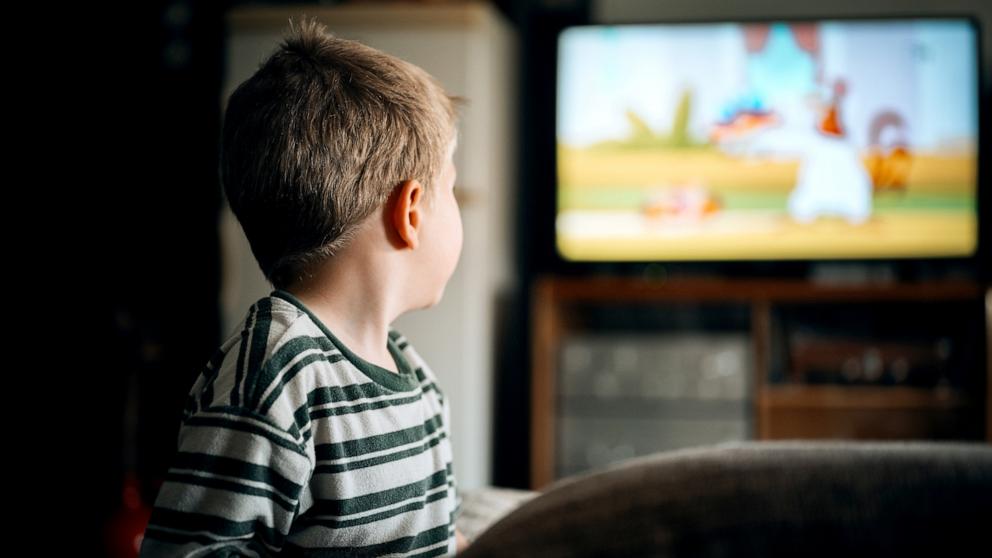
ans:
(768, 141)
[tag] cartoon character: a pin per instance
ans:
(741, 124)
(685, 202)
(832, 179)
(888, 162)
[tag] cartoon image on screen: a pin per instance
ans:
(767, 141)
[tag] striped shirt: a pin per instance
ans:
(292, 445)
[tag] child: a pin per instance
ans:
(316, 429)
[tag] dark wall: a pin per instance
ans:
(537, 24)
(146, 85)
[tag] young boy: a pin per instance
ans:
(316, 429)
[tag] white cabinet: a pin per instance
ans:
(471, 49)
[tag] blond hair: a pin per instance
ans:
(319, 137)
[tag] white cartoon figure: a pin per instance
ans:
(832, 179)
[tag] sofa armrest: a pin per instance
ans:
(762, 499)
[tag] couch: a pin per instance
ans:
(836, 498)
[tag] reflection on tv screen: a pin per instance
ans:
(813, 140)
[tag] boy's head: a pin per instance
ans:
(319, 138)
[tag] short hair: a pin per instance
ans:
(319, 137)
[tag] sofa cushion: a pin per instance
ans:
(485, 505)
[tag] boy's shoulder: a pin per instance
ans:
(267, 354)
(254, 368)
(273, 335)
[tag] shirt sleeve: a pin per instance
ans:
(454, 480)
(233, 489)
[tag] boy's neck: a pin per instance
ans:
(357, 300)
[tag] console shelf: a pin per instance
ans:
(857, 397)
(912, 364)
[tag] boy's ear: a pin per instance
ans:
(407, 212)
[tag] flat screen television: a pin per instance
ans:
(805, 140)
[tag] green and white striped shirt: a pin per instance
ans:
(292, 445)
